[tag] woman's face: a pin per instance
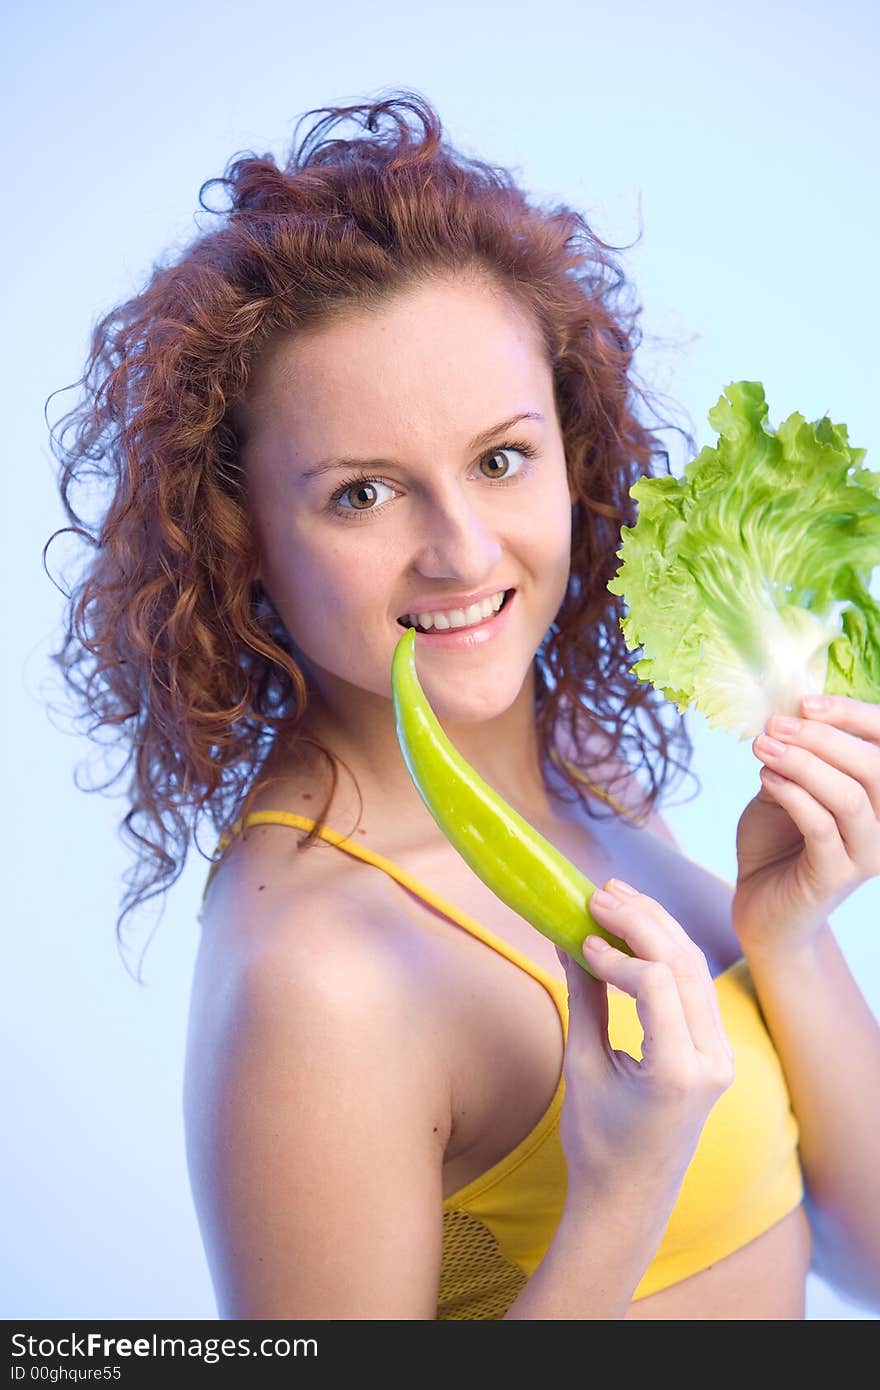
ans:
(408, 390)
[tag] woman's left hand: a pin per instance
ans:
(812, 833)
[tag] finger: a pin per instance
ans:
(825, 852)
(587, 1002)
(844, 796)
(666, 923)
(857, 757)
(856, 716)
(678, 942)
(654, 935)
(667, 1041)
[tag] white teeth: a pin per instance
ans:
(459, 617)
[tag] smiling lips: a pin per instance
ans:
(472, 616)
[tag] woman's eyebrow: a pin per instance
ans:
(485, 437)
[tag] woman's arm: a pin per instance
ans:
(317, 1112)
(828, 1042)
(805, 843)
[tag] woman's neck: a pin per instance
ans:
(504, 752)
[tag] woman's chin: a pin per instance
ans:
(469, 701)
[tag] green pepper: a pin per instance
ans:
(522, 868)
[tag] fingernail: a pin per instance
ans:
(815, 703)
(621, 887)
(603, 899)
(771, 745)
(595, 942)
(783, 724)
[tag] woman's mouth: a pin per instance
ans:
(463, 635)
(457, 620)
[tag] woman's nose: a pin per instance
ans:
(456, 540)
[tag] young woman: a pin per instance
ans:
(387, 390)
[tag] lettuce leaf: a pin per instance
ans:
(747, 580)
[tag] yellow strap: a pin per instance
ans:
(334, 837)
(463, 919)
(597, 791)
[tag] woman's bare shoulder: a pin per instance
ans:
(312, 1086)
(279, 910)
(272, 898)
(265, 859)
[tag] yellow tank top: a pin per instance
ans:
(743, 1178)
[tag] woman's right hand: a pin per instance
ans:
(624, 1121)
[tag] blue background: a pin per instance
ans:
(740, 139)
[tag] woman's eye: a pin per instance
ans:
(495, 473)
(361, 493)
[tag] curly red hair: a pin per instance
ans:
(168, 635)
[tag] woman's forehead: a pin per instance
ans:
(437, 362)
(454, 299)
